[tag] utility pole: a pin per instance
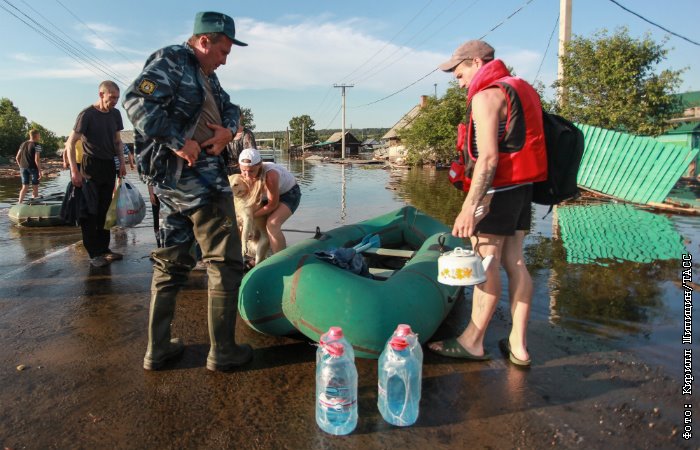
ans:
(564, 38)
(303, 127)
(343, 86)
(435, 85)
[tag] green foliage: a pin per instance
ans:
(248, 119)
(13, 128)
(611, 82)
(306, 123)
(432, 134)
(50, 143)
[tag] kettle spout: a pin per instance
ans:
(486, 262)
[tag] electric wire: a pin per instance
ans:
(97, 35)
(331, 121)
(80, 48)
(59, 43)
(389, 41)
(437, 68)
(401, 48)
(549, 42)
(409, 51)
(655, 24)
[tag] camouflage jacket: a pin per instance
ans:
(164, 104)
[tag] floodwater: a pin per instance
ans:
(607, 284)
(602, 268)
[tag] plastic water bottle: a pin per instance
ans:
(400, 373)
(336, 389)
(335, 334)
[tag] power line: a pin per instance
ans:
(390, 40)
(409, 51)
(97, 35)
(83, 50)
(655, 24)
(556, 22)
(436, 69)
(57, 41)
(336, 115)
(402, 47)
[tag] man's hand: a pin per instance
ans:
(216, 144)
(190, 152)
(469, 217)
(76, 178)
(122, 171)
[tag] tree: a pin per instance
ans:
(13, 128)
(50, 143)
(611, 82)
(433, 133)
(306, 123)
(248, 119)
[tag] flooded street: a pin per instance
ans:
(605, 338)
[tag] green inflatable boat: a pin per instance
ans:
(294, 290)
(39, 212)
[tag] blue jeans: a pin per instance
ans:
(29, 173)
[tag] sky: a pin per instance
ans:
(299, 49)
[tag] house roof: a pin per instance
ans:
(404, 122)
(338, 136)
(685, 128)
(370, 142)
(690, 99)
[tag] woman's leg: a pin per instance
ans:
(274, 227)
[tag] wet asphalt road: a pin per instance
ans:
(80, 334)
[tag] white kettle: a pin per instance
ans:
(462, 267)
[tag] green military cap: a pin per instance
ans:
(214, 22)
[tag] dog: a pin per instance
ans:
(252, 229)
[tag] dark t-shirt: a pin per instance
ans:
(27, 152)
(99, 130)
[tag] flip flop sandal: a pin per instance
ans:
(452, 349)
(504, 346)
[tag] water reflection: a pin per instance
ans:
(600, 232)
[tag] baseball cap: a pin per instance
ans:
(214, 22)
(249, 157)
(468, 50)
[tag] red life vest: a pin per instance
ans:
(522, 155)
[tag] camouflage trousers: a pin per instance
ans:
(213, 226)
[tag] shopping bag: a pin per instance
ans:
(111, 219)
(131, 209)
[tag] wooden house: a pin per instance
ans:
(335, 142)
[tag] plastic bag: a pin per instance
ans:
(111, 218)
(131, 209)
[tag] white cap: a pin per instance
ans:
(249, 157)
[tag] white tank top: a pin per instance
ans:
(287, 180)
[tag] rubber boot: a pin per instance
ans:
(161, 348)
(225, 354)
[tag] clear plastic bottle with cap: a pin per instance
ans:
(400, 373)
(335, 334)
(336, 388)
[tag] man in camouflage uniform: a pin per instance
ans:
(183, 121)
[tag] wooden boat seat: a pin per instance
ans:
(381, 273)
(390, 252)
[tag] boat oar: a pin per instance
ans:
(369, 241)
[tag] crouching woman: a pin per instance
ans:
(280, 193)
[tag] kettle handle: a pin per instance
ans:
(441, 242)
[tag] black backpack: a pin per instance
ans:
(565, 143)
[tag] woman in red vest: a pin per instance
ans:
(505, 142)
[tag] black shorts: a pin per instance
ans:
(510, 210)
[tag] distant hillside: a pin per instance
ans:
(360, 133)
